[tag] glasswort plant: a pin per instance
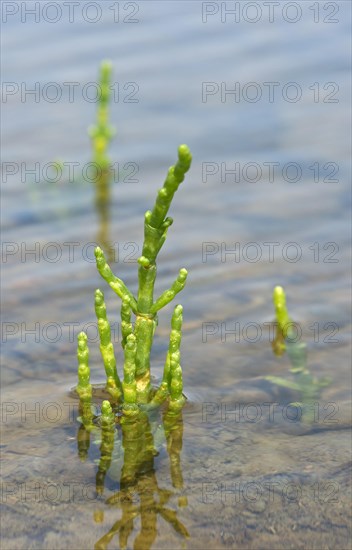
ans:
(305, 384)
(135, 388)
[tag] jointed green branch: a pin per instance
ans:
(176, 384)
(129, 377)
(115, 283)
(283, 319)
(106, 348)
(172, 383)
(170, 294)
(126, 325)
(175, 176)
(84, 388)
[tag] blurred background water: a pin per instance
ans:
(246, 91)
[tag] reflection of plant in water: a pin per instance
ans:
(308, 386)
(139, 494)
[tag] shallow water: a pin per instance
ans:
(226, 350)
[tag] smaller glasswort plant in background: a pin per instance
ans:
(102, 132)
(304, 383)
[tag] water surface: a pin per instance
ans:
(222, 221)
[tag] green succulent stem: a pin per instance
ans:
(167, 296)
(129, 383)
(106, 347)
(282, 317)
(156, 225)
(177, 398)
(84, 387)
(175, 176)
(162, 392)
(115, 283)
(126, 325)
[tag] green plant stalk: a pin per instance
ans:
(155, 229)
(129, 378)
(177, 398)
(297, 351)
(162, 392)
(283, 319)
(114, 385)
(115, 283)
(84, 388)
(172, 376)
(126, 325)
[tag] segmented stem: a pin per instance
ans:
(175, 176)
(282, 316)
(84, 388)
(115, 283)
(106, 346)
(177, 398)
(129, 377)
(126, 325)
(170, 294)
(163, 391)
